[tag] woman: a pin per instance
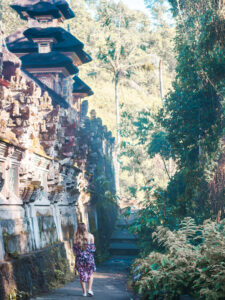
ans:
(84, 248)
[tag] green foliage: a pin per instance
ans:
(192, 119)
(145, 153)
(138, 44)
(124, 31)
(193, 114)
(10, 19)
(151, 214)
(192, 263)
(19, 295)
(159, 144)
(139, 88)
(189, 128)
(104, 199)
(145, 156)
(60, 276)
(126, 50)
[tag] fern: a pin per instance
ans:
(193, 263)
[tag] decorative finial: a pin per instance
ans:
(68, 27)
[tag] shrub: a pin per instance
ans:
(193, 262)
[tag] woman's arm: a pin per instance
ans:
(91, 247)
(75, 237)
(92, 239)
(75, 247)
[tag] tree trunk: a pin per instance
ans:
(161, 81)
(117, 110)
(168, 171)
(165, 167)
(117, 173)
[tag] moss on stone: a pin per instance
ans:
(34, 273)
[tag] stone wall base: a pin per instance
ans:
(37, 272)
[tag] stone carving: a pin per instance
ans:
(32, 192)
(9, 151)
(2, 181)
(36, 194)
(45, 102)
(22, 99)
(26, 117)
(43, 126)
(55, 132)
(93, 114)
(16, 109)
(18, 81)
(37, 130)
(4, 116)
(5, 96)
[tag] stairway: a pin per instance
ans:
(123, 243)
(123, 248)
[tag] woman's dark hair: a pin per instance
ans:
(81, 236)
(81, 228)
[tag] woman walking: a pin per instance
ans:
(84, 248)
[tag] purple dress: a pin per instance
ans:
(85, 262)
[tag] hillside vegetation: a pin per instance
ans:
(142, 43)
(141, 89)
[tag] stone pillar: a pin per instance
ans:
(30, 222)
(35, 226)
(74, 218)
(57, 219)
(2, 249)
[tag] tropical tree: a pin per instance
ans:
(193, 116)
(123, 47)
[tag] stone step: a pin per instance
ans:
(123, 234)
(121, 222)
(122, 241)
(119, 261)
(124, 252)
(126, 246)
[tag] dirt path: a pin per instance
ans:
(110, 283)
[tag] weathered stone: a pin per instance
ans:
(36, 272)
(2, 248)
(53, 161)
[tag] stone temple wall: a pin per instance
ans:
(37, 272)
(52, 164)
(56, 163)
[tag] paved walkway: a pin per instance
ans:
(110, 283)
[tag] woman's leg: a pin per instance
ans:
(83, 285)
(83, 280)
(90, 282)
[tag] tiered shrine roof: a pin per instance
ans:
(45, 50)
(22, 43)
(33, 9)
(80, 88)
(57, 33)
(48, 61)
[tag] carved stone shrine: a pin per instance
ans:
(52, 155)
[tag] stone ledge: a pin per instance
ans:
(124, 246)
(37, 272)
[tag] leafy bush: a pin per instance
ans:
(193, 262)
(150, 215)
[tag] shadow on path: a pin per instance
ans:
(110, 283)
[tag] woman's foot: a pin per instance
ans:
(90, 293)
(85, 294)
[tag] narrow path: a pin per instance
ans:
(110, 283)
